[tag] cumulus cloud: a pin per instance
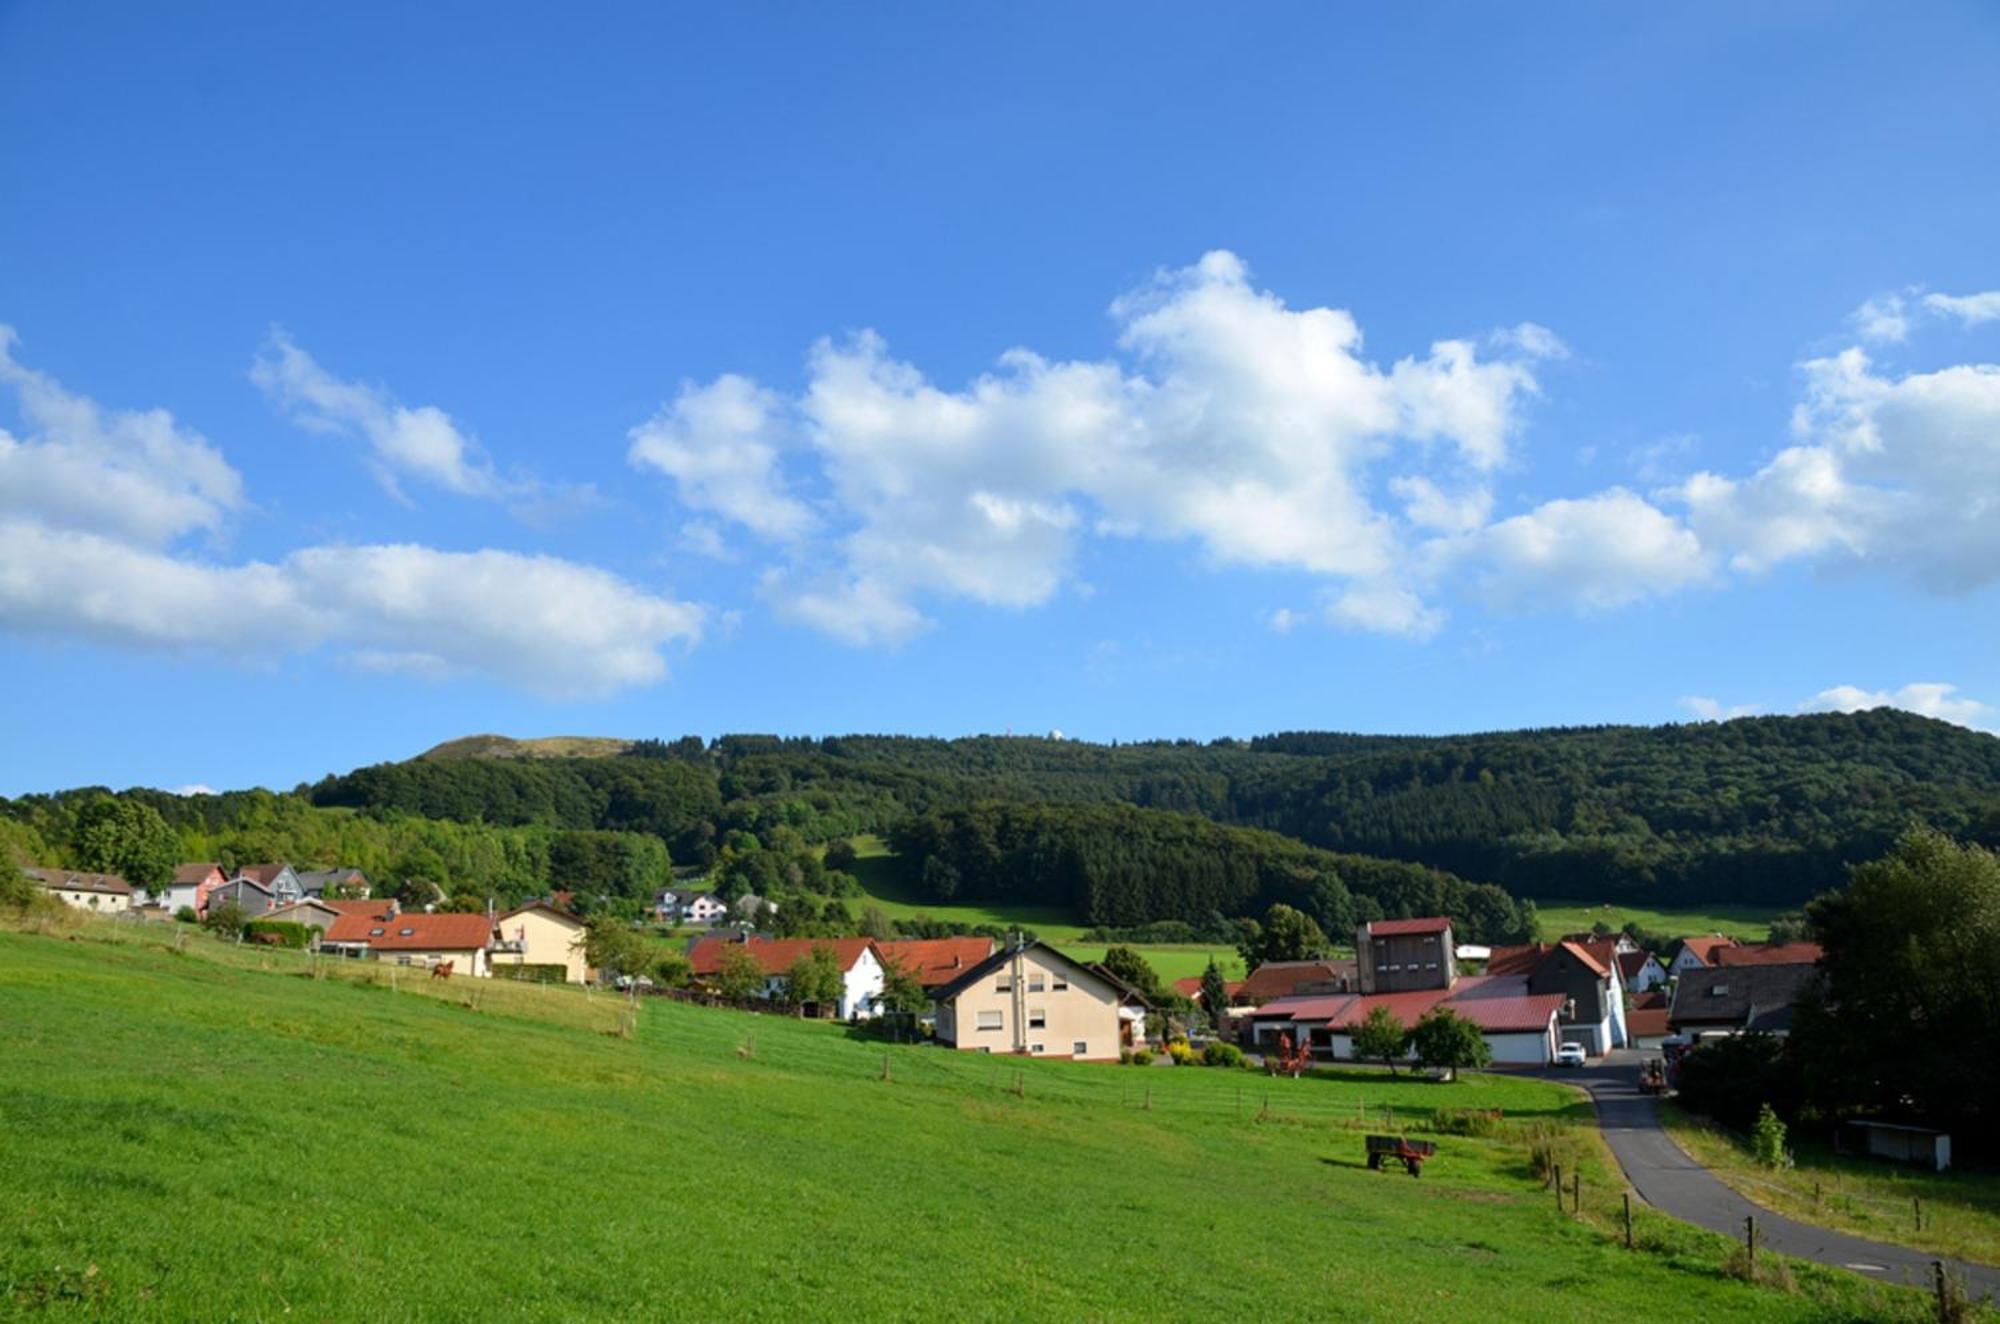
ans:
(1384, 609)
(132, 474)
(421, 443)
(1930, 698)
(93, 499)
(1228, 419)
(1884, 319)
(720, 443)
(1591, 553)
(1971, 309)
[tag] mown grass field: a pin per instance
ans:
(1561, 916)
(214, 1134)
(1960, 1210)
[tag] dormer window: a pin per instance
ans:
(375, 933)
(406, 933)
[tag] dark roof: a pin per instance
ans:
(999, 958)
(315, 879)
(1752, 997)
(1631, 963)
(1404, 928)
(195, 873)
(81, 882)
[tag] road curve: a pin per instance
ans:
(1666, 1178)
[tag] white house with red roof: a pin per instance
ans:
(860, 967)
(384, 931)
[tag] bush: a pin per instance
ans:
(531, 974)
(1767, 1140)
(1142, 1057)
(288, 933)
(1179, 1051)
(22, 894)
(1730, 1079)
(186, 915)
(226, 920)
(1219, 1054)
(1476, 1122)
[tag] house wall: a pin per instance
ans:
(1085, 1012)
(104, 903)
(1651, 975)
(1522, 1048)
(1405, 963)
(1684, 961)
(546, 940)
(863, 999)
(463, 962)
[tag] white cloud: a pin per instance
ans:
(720, 443)
(1706, 709)
(90, 502)
(1884, 319)
(135, 475)
(542, 624)
(1528, 338)
(1930, 698)
(193, 788)
(1591, 553)
(1283, 620)
(1971, 309)
(1249, 428)
(421, 443)
(1384, 609)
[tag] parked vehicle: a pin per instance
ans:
(1570, 1055)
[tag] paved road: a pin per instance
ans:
(1666, 1178)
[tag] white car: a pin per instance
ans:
(1569, 1055)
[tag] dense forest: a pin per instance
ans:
(1767, 810)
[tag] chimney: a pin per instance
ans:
(395, 908)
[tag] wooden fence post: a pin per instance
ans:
(1750, 1240)
(1943, 1297)
(1576, 1192)
(1628, 1220)
(1558, 1169)
(1149, 1098)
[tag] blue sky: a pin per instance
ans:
(382, 374)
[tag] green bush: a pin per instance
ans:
(288, 933)
(1179, 1051)
(1767, 1139)
(186, 915)
(1219, 1054)
(1476, 1122)
(532, 974)
(226, 920)
(1142, 1057)
(22, 894)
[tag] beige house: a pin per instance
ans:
(1032, 1000)
(540, 934)
(105, 893)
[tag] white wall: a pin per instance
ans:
(863, 999)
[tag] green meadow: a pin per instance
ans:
(219, 1133)
(1558, 916)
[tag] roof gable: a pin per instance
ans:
(1077, 970)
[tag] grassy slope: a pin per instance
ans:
(188, 1138)
(1560, 917)
(1870, 1199)
(539, 747)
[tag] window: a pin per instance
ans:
(989, 1020)
(1060, 985)
(1037, 1048)
(1079, 1049)
(1035, 983)
(1003, 985)
(407, 933)
(1038, 1018)
(376, 933)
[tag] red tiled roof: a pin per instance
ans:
(1277, 979)
(1409, 1008)
(1404, 928)
(1769, 953)
(1308, 1008)
(936, 961)
(451, 932)
(774, 956)
(1584, 954)
(1520, 959)
(1190, 988)
(195, 873)
(1704, 948)
(1647, 1022)
(1502, 1004)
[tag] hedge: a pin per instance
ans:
(531, 974)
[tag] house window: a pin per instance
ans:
(376, 933)
(1079, 1049)
(1038, 1018)
(1061, 985)
(407, 933)
(1037, 1048)
(989, 1020)
(1035, 983)
(1003, 985)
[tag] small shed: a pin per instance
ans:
(1899, 1144)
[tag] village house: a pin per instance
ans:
(1640, 972)
(193, 884)
(1647, 1020)
(540, 934)
(1739, 999)
(383, 931)
(105, 893)
(310, 911)
(1032, 1000)
(279, 880)
(248, 895)
(1409, 967)
(681, 906)
(1282, 979)
(860, 968)
(1587, 976)
(935, 961)
(346, 882)
(1694, 953)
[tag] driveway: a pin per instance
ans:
(1666, 1178)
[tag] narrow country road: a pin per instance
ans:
(1666, 1178)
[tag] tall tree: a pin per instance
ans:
(127, 837)
(1134, 969)
(1381, 1038)
(1284, 934)
(816, 977)
(737, 974)
(1908, 1018)
(1214, 993)
(1445, 1040)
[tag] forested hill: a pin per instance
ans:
(1755, 810)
